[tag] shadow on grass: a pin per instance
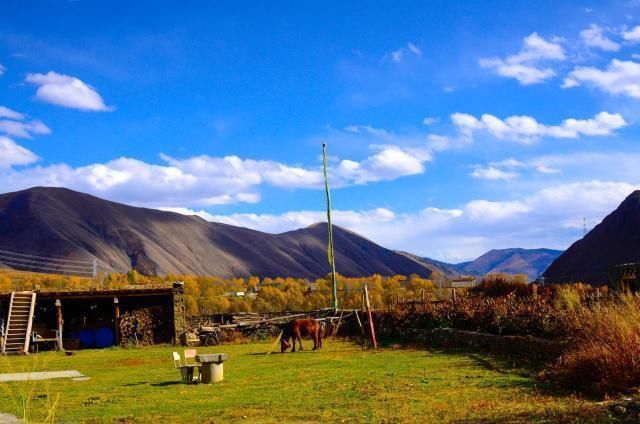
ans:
(139, 383)
(166, 383)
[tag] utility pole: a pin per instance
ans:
(332, 262)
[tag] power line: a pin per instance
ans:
(47, 264)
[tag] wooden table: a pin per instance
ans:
(212, 367)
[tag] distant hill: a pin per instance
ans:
(449, 270)
(531, 262)
(61, 223)
(616, 240)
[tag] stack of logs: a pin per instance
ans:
(138, 327)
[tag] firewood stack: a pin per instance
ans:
(137, 327)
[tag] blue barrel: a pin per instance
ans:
(87, 338)
(104, 337)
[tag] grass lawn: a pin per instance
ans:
(339, 384)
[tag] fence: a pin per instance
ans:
(28, 262)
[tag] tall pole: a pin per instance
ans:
(332, 262)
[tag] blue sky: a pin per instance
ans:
(453, 127)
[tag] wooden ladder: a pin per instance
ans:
(20, 318)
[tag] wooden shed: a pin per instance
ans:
(91, 318)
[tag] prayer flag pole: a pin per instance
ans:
(332, 262)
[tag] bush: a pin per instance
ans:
(604, 354)
(496, 285)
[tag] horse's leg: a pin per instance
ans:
(299, 337)
(314, 336)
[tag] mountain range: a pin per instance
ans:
(60, 230)
(530, 262)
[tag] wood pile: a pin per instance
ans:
(138, 327)
(257, 325)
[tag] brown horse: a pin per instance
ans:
(299, 328)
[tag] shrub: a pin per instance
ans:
(496, 285)
(604, 354)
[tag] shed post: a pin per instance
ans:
(116, 320)
(60, 322)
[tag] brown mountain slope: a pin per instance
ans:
(57, 222)
(616, 240)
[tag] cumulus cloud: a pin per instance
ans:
(633, 35)
(526, 129)
(594, 37)
(621, 77)
(550, 217)
(387, 163)
(12, 154)
(3, 69)
(531, 64)
(208, 181)
(402, 53)
(67, 91)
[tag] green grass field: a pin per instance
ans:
(339, 384)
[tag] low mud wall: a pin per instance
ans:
(530, 347)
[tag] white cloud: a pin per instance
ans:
(272, 223)
(186, 211)
(409, 50)
(543, 169)
(526, 129)
(208, 181)
(594, 37)
(620, 77)
(5, 112)
(12, 154)
(505, 169)
(550, 217)
(530, 64)
(15, 126)
(388, 163)
(67, 91)
(487, 211)
(23, 129)
(633, 35)
(429, 120)
(3, 69)
(493, 173)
